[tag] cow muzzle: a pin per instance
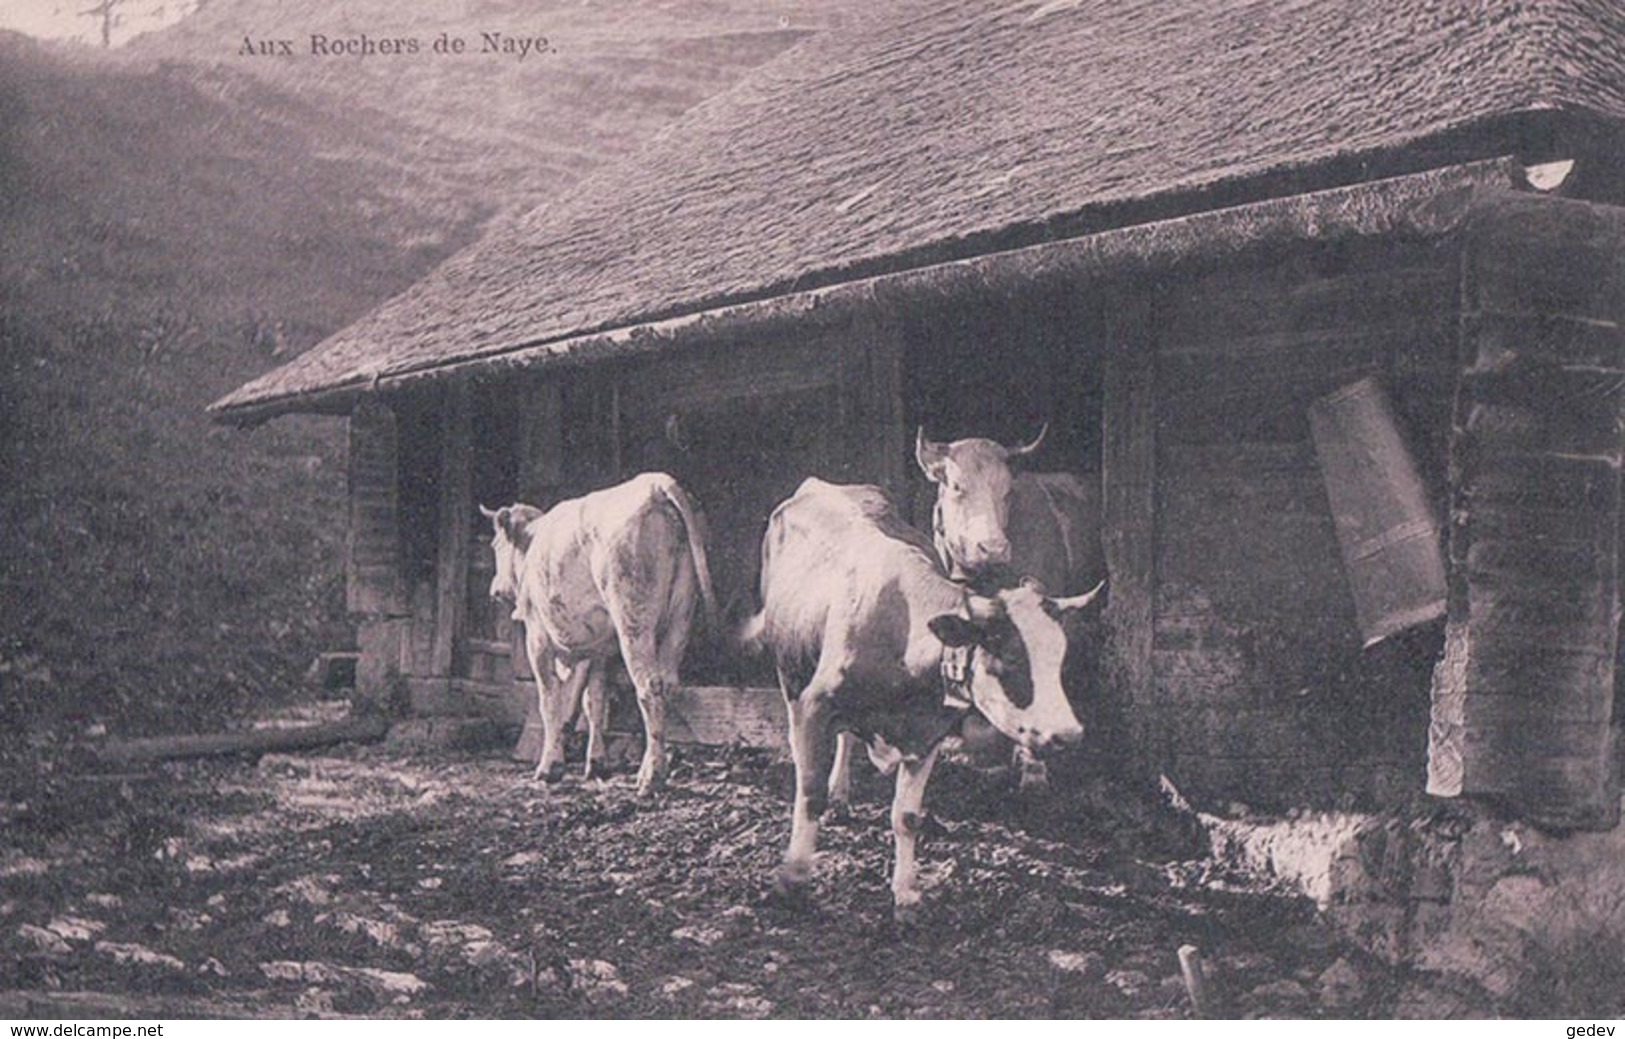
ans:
(982, 556)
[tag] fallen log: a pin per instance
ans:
(249, 741)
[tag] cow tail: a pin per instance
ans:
(696, 542)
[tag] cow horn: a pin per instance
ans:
(928, 454)
(490, 514)
(1078, 602)
(1027, 449)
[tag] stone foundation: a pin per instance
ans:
(1504, 917)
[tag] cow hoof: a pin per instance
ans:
(551, 774)
(598, 770)
(790, 882)
(1034, 783)
(837, 813)
(790, 892)
(650, 783)
(906, 916)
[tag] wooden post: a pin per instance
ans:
(871, 392)
(374, 584)
(1128, 508)
(455, 522)
(1523, 702)
(1190, 968)
(372, 544)
(541, 442)
(541, 476)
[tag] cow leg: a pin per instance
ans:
(906, 820)
(652, 693)
(540, 653)
(560, 698)
(1034, 775)
(840, 777)
(653, 686)
(812, 750)
(596, 705)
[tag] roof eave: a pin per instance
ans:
(1424, 205)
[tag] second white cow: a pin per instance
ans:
(618, 570)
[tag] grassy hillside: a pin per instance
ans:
(175, 220)
(514, 127)
(157, 572)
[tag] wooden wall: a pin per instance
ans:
(740, 425)
(375, 585)
(1526, 704)
(1234, 661)
(1252, 685)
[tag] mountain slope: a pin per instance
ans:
(173, 223)
(518, 127)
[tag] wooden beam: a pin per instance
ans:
(373, 581)
(541, 442)
(1128, 512)
(455, 523)
(725, 716)
(872, 386)
(253, 741)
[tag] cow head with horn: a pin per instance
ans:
(970, 521)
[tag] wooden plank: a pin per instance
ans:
(1538, 701)
(455, 524)
(1536, 522)
(1573, 429)
(872, 377)
(437, 696)
(1536, 531)
(1583, 605)
(1535, 254)
(1556, 339)
(1545, 482)
(1529, 558)
(1568, 399)
(1129, 506)
(419, 649)
(381, 641)
(1501, 662)
(1232, 301)
(725, 716)
(432, 695)
(780, 365)
(373, 579)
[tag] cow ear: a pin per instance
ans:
(511, 524)
(1033, 584)
(930, 455)
(953, 630)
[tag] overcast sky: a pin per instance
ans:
(60, 19)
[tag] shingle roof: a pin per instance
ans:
(943, 130)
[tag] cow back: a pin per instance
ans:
(840, 558)
(1054, 531)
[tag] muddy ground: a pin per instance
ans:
(373, 881)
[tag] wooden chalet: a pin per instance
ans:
(1190, 236)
